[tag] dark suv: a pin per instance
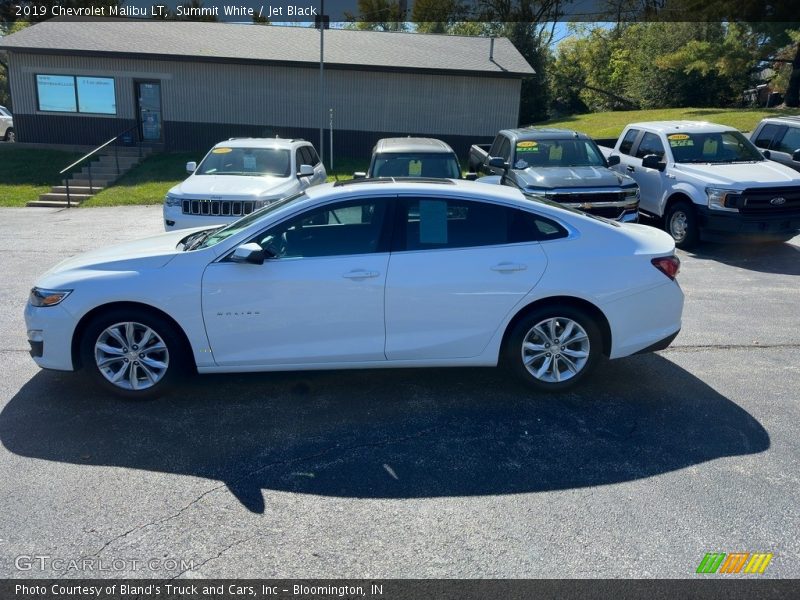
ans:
(779, 139)
(412, 157)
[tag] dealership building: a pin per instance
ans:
(188, 85)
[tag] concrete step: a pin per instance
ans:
(124, 163)
(76, 189)
(59, 197)
(102, 172)
(51, 204)
(97, 182)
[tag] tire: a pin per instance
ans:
(111, 358)
(680, 221)
(529, 347)
(11, 136)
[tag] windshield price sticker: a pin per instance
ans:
(528, 146)
(677, 140)
(415, 168)
(221, 150)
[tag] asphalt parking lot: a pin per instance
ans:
(658, 460)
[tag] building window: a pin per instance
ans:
(69, 93)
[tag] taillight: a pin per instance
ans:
(668, 265)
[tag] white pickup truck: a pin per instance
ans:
(708, 181)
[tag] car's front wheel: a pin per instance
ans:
(10, 135)
(133, 354)
(681, 223)
(553, 348)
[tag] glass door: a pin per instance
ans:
(148, 95)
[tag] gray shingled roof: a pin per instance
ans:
(224, 41)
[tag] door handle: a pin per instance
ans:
(360, 274)
(509, 267)
(630, 169)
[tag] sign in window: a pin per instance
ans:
(69, 93)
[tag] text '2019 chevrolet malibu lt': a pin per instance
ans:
(364, 275)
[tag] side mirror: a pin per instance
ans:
(471, 176)
(191, 167)
(359, 175)
(613, 160)
(497, 162)
(767, 154)
(796, 155)
(305, 171)
(651, 161)
(248, 253)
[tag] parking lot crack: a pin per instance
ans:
(250, 474)
(196, 568)
(756, 346)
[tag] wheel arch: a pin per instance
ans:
(80, 328)
(597, 314)
(678, 196)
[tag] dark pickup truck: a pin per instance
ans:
(559, 165)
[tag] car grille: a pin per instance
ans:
(223, 208)
(759, 201)
(588, 197)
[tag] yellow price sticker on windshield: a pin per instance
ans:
(221, 150)
(527, 144)
(678, 136)
(415, 168)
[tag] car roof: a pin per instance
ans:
(412, 144)
(790, 119)
(275, 142)
(458, 188)
(543, 133)
(691, 126)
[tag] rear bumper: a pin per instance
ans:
(716, 225)
(660, 344)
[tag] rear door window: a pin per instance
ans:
(438, 223)
(627, 141)
(766, 135)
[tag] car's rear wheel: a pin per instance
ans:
(554, 348)
(11, 136)
(681, 223)
(133, 354)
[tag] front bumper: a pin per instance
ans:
(174, 218)
(715, 224)
(50, 331)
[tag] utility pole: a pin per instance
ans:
(323, 22)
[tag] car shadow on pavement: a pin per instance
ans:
(777, 258)
(390, 433)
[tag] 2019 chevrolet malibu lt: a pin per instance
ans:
(367, 274)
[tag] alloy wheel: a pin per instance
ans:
(131, 356)
(555, 349)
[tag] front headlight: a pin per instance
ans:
(172, 200)
(42, 297)
(722, 199)
(632, 193)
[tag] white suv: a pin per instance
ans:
(7, 126)
(238, 176)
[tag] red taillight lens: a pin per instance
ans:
(668, 265)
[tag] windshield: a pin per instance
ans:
(557, 153)
(218, 235)
(416, 164)
(714, 147)
(246, 161)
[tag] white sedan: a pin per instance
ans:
(367, 274)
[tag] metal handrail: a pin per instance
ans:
(84, 157)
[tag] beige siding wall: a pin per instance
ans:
(284, 96)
